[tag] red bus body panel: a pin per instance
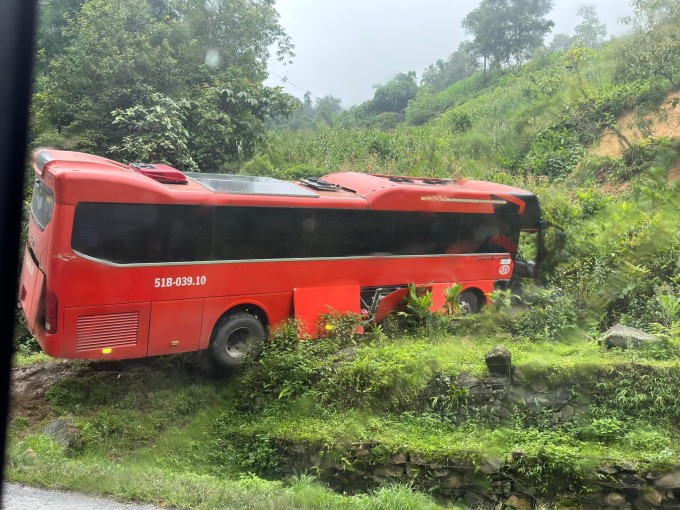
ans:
(115, 311)
(312, 303)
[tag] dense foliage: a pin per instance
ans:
(145, 79)
(412, 387)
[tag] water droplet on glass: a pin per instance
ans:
(212, 57)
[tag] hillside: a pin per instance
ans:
(431, 413)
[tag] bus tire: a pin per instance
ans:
(469, 302)
(236, 337)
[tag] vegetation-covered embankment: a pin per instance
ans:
(408, 415)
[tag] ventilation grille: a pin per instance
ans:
(110, 330)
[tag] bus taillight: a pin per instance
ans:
(51, 306)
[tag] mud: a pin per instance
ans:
(29, 386)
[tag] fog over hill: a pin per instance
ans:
(345, 48)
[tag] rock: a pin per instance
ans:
(417, 459)
(451, 482)
(625, 337)
(670, 504)
(653, 497)
(567, 413)
(499, 361)
(477, 501)
(399, 458)
(608, 470)
(615, 499)
(669, 481)
(466, 381)
(539, 385)
(627, 479)
(439, 473)
(64, 432)
(388, 471)
(518, 502)
(413, 471)
(491, 465)
(627, 465)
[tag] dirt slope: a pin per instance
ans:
(28, 388)
(664, 123)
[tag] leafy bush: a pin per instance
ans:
(553, 153)
(548, 313)
(459, 122)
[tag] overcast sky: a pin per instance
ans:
(344, 48)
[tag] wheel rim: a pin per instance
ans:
(239, 343)
(465, 306)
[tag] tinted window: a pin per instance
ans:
(488, 233)
(417, 233)
(42, 204)
(346, 233)
(243, 233)
(139, 233)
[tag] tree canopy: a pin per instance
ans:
(590, 32)
(175, 80)
(507, 31)
(394, 95)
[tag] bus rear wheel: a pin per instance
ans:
(469, 303)
(236, 337)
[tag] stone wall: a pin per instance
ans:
(487, 483)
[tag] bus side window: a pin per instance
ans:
(347, 233)
(251, 233)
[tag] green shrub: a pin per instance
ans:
(547, 315)
(553, 153)
(260, 166)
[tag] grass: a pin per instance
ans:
(197, 441)
(167, 434)
(28, 360)
(49, 468)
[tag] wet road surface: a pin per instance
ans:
(20, 497)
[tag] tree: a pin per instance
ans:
(394, 95)
(487, 24)
(239, 33)
(444, 73)
(126, 68)
(527, 27)
(560, 42)
(590, 32)
(155, 133)
(649, 14)
(506, 31)
(653, 50)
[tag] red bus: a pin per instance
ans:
(127, 261)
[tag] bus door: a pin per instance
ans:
(31, 291)
(310, 304)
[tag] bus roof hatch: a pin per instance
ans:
(162, 173)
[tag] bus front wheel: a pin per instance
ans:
(469, 302)
(236, 337)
